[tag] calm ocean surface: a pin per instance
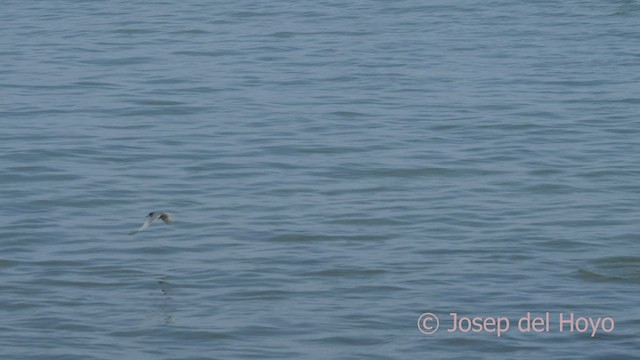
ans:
(336, 169)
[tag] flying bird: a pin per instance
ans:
(164, 216)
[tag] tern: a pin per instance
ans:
(164, 216)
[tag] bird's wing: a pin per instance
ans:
(146, 224)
